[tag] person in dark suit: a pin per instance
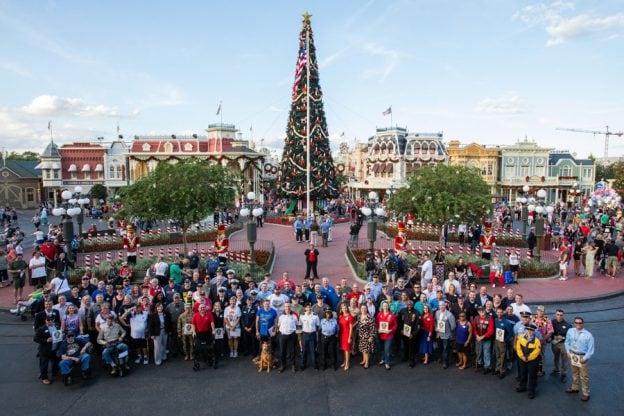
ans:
(44, 336)
(531, 240)
(40, 317)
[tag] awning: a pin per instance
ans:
(72, 168)
(99, 168)
(43, 165)
(55, 165)
(86, 168)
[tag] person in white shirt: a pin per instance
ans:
(232, 316)
(37, 268)
(38, 237)
(278, 301)
(137, 320)
(426, 272)
(519, 306)
(310, 324)
(60, 285)
(287, 325)
(161, 269)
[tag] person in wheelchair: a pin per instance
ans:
(111, 337)
(32, 304)
(73, 351)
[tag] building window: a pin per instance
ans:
(47, 174)
(30, 195)
(55, 174)
(87, 175)
(587, 173)
(74, 176)
(99, 174)
(490, 169)
(524, 171)
(564, 171)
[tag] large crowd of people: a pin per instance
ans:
(433, 317)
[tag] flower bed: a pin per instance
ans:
(147, 240)
(452, 237)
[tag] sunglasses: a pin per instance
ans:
(578, 323)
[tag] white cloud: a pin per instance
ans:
(52, 105)
(389, 61)
(561, 28)
(509, 104)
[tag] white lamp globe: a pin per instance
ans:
(72, 201)
(539, 209)
(251, 196)
(78, 189)
(372, 195)
(541, 193)
(526, 188)
(57, 212)
(550, 209)
(531, 200)
(244, 212)
(66, 194)
(380, 212)
(257, 212)
(523, 200)
(367, 211)
(531, 208)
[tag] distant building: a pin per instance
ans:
(569, 173)
(223, 144)
(20, 184)
(485, 159)
(392, 154)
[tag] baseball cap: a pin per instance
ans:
(541, 308)
(176, 295)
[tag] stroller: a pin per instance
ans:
(204, 352)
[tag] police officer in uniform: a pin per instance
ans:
(249, 342)
(528, 349)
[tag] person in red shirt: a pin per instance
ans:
(355, 293)
(483, 327)
(50, 252)
(386, 325)
(203, 324)
(285, 279)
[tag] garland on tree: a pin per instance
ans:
(291, 179)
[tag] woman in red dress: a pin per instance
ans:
(345, 327)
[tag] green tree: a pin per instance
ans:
(606, 171)
(98, 192)
(27, 155)
(291, 180)
(436, 194)
(618, 175)
(185, 192)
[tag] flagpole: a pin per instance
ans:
(50, 128)
(308, 121)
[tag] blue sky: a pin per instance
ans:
(486, 71)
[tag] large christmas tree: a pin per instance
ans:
(292, 180)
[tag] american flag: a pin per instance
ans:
(388, 111)
(301, 63)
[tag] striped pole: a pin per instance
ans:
(109, 256)
(87, 260)
(96, 260)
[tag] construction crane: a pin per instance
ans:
(606, 133)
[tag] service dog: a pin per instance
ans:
(266, 358)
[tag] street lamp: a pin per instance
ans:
(539, 222)
(372, 211)
(524, 215)
(252, 210)
(72, 206)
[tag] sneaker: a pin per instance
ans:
(138, 359)
(231, 354)
(235, 354)
(145, 360)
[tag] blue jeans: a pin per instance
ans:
(106, 354)
(386, 354)
(308, 345)
(67, 365)
(484, 353)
